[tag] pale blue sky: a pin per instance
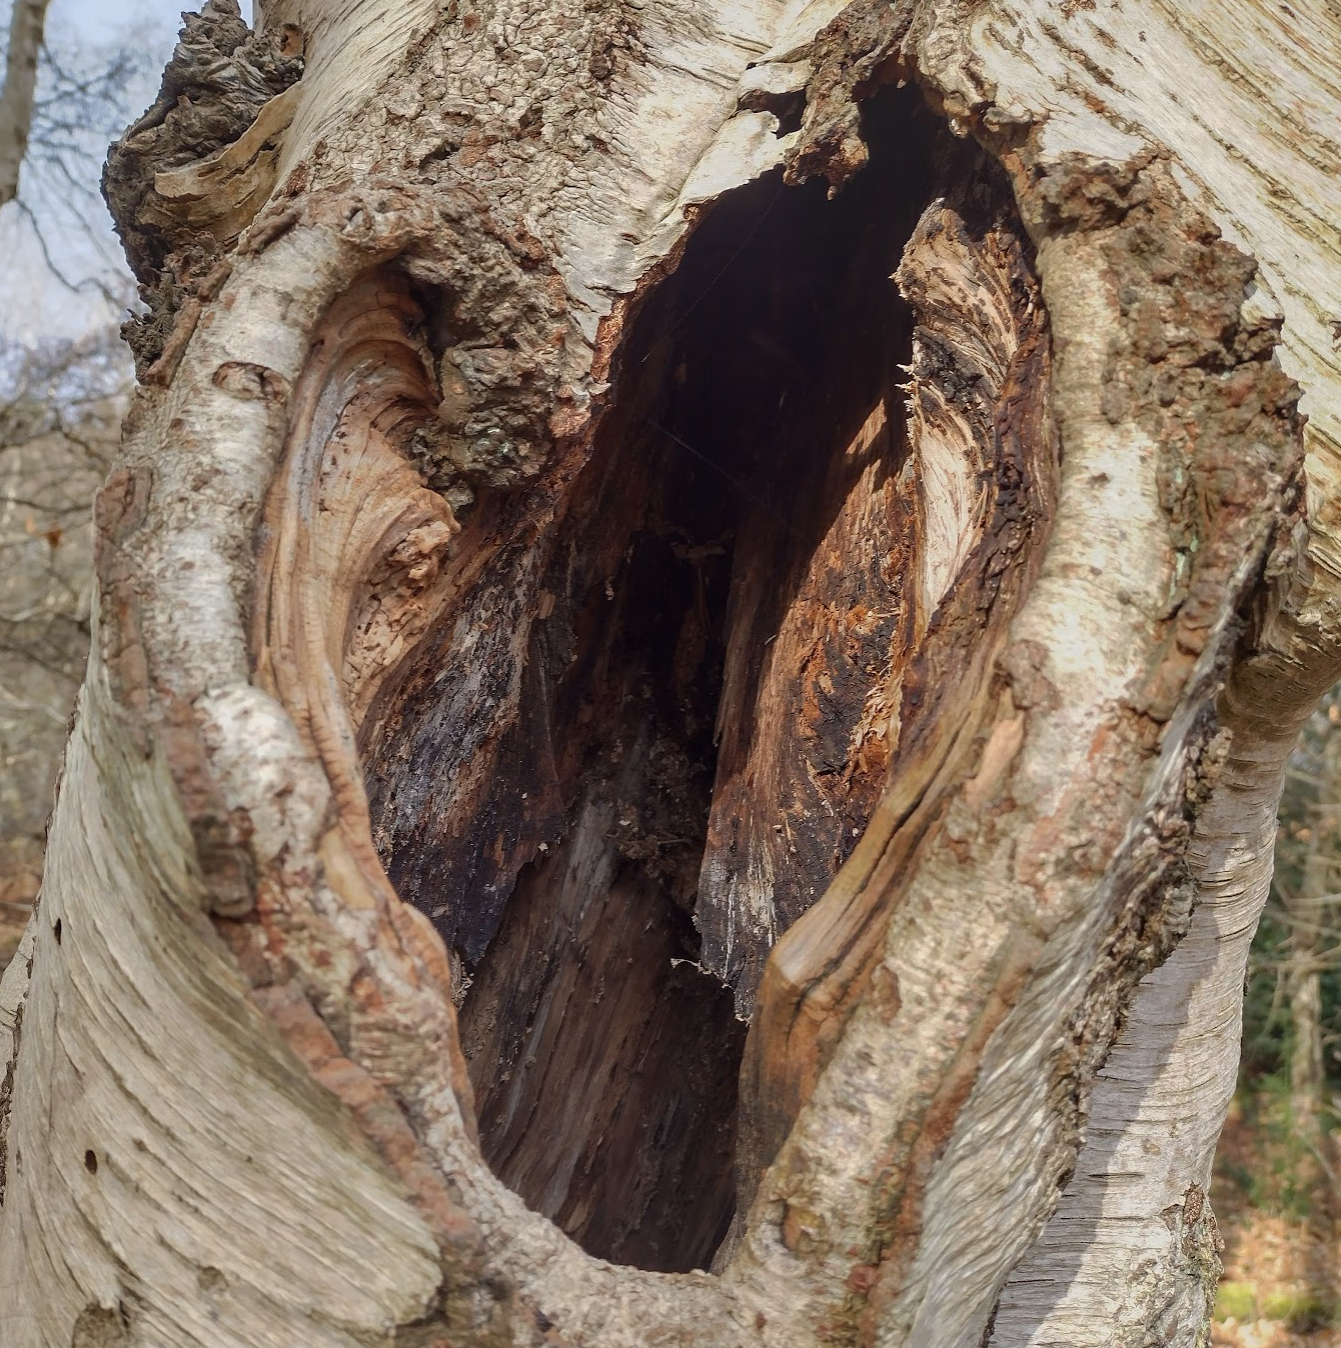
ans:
(104, 20)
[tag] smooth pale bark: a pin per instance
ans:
(400, 410)
(26, 22)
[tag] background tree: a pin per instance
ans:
(26, 22)
(573, 636)
(61, 399)
(65, 95)
(1309, 906)
(58, 431)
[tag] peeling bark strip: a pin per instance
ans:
(530, 590)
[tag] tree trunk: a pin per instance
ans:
(699, 625)
(1311, 929)
(26, 22)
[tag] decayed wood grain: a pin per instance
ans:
(982, 452)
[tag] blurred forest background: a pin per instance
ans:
(76, 74)
(65, 378)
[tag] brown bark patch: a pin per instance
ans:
(853, 56)
(101, 1327)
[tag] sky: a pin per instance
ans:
(105, 19)
(73, 223)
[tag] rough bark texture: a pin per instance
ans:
(553, 666)
(190, 175)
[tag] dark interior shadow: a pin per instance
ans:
(544, 789)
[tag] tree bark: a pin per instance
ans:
(26, 22)
(699, 626)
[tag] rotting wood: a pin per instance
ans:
(982, 443)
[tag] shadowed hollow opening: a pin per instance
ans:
(634, 752)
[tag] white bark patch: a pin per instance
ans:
(1243, 97)
(1119, 1251)
(144, 1190)
(748, 144)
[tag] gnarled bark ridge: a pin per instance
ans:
(699, 624)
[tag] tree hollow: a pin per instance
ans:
(654, 719)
